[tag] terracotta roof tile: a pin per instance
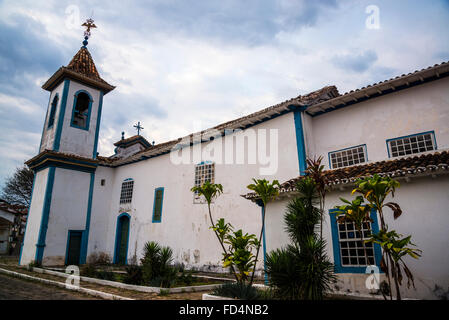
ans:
(401, 167)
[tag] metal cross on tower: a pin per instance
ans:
(88, 24)
(138, 127)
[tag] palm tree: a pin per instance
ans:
(266, 192)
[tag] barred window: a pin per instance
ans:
(205, 171)
(414, 144)
(351, 246)
(348, 157)
(126, 194)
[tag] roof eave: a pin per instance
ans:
(63, 73)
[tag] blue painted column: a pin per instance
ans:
(45, 215)
(85, 237)
(264, 247)
(300, 140)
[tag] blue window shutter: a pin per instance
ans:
(157, 206)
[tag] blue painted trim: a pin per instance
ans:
(66, 260)
(53, 110)
(55, 160)
(264, 248)
(118, 236)
(412, 135)
(154, 204)
(85, 239)
(89, 110)
(45, 215)
(28, 216)
(336, 244)
(97, 128)
(361, 145)
(300, 141)
(57, 139)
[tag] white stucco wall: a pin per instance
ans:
(67, 212)
(48, 134)
(185, 225)
(34, 217)
(418, 109)
(75, 140)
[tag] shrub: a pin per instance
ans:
(105, 275)
(100, 258)
(88, 270)
(239, 290)
(133, 275)
(156, 265)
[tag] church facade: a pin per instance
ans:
(84, 203)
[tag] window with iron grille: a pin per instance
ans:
(412, 144)
(205, 171)
(351, 247)
(348, 157)
(126, 194)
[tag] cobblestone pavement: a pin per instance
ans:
(19, 289)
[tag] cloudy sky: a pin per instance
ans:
(180, 64)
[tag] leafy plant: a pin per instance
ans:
(210, 191)
(240, 253)
(375, 190)
(266, 192)
(396, 248)
(358, 214)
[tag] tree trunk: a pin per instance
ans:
(260, 244)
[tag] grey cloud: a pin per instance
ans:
(355, 62)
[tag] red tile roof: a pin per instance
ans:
(429, 163)
(82, 68)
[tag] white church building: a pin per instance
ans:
(84, 203)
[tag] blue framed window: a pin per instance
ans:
(349, 255)
(51, 117)
(82, 107)
(348, 157)
(157, 204)
(415, 143)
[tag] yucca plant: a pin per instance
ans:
(301, 270)
(157, 266)
(266, 192)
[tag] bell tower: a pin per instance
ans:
(57, 230)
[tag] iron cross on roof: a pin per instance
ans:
(138, 127)
(88, 24)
